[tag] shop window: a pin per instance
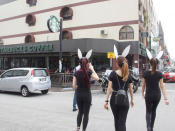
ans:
(31, 2)
(30, 19)
(66, 13)
(1, 42)
(66, 35)
(126, 32)
(29, 39)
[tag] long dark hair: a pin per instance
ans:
(122, 63)
(84, 68)
(154, 62)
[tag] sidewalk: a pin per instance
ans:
(69, 88)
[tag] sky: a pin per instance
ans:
(165, 10)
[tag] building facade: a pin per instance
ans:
(96, 24)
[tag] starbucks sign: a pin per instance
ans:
(37, 48)
(53, 24)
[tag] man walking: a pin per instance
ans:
(75, 93)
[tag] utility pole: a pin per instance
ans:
(54, 25)
(60, 42)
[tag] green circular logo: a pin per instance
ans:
(53, 24)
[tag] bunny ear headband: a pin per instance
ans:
(88, 55)
(124, 53)
(150, 55)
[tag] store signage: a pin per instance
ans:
(144, 34)
(110, 55)
(53, 24)
(143, 49)
(27, 49)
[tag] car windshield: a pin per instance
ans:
(40, 73)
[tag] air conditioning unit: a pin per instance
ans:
(104, 32)
(1, 42)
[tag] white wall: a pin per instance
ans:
(89, 14)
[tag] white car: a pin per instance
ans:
(25, 80)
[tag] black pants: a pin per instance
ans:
(151, 106)
(120, 114)
(84, 103)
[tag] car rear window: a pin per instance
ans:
(40, 73)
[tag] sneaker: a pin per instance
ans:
(75, 109)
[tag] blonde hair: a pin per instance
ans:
(125, 71)
(121, 61)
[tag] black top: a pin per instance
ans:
(115, 84)
(81, 84)
(152, 82)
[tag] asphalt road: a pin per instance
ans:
(53, 112)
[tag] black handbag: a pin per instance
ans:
(121, 98)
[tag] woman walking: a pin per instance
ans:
(151, 80)
(120, 79)
(81, 81)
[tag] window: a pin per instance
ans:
(66, 35)
(40, 73)
(29, 39)
(30, 20)
(7, 74)
(20, 73)
(126, 33)
(66, 13)
(31, 2)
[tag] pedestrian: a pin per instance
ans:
(119, 79)
(151, 80)
(75, 92)
(81, 81)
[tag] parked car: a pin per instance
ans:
(169, 76)
(25, 80)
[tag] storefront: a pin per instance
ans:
(46, 54)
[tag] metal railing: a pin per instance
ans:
(64, 79)
(61, 79)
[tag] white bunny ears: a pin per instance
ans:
(124, 53)
(150, 55)
(88, 55)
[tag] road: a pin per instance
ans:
(53, 112)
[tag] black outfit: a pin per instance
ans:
(119, 112)
(83, 99)
(152, 96)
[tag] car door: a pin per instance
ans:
(18, 77)
(5, 80)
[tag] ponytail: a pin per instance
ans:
(84, 68)
(125, 71)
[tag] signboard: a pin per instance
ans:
(53, 24)
(144, 34)
(37, 48)
(110, 55)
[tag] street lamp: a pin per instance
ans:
(54, 25)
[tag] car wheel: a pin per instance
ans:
(44, 91)
(25, 92)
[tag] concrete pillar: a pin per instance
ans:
(47, 62)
